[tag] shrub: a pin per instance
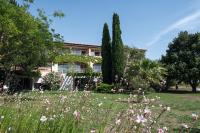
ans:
(51, 81)
(105, 88)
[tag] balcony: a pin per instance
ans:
(67, 68)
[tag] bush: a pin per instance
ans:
(105, 88)
(51, 81)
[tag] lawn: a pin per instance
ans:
(84, 112)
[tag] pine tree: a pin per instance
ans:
(117, 49)
(106, 56)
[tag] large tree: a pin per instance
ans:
(117, 49)
(182, 59)
(106, 56)
(25, 41)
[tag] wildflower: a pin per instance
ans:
(104, 98)
(67, 110)
(93, 131)
(160, 130)
(121, 90)
(100, 104)
(51, 118)
(168, 108)
(77, 114)
(141, 119)
(9, 129)
(2, 117)
(184, 125)
(165, 128)
(63, 98)
(112, 90)
(43, 118)
(118, 122)
(195, 116)
(147, 112)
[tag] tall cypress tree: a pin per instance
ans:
(117, 49)
(106, 56)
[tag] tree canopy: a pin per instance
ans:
(117, 49)
(26, 42)
(106, 56)
(182, 59)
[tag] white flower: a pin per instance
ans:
(43, 118)
(118, 122)
(9, 129)
(93, 131)
(77, 114)
(168, 108)
(165, 128)
(147, 111)
(100, 104)
(141, 119)
(184, 125)
(195, 116)
(2, 117)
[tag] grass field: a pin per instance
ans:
(55, 111)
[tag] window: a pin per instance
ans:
(63, 68)
(97, 53)
(97, 67)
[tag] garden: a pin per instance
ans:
(132, 94)
(93, 112)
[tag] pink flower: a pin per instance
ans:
(160, 130)
(77, 115)
(141, 119)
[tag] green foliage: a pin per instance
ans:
(25, 41)
(182, 59)
(133, 54)
(105, 88)
(146, 73)
(51, 81)
(106, 56)
(117, 49)
(69, 58)
(59, 14)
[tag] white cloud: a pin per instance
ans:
(189, 22)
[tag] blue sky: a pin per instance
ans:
(147, 24)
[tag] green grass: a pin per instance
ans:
(182, 106)
(22, 113)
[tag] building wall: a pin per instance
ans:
(79, 67)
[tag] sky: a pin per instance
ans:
(146, 24)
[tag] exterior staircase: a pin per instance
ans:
(67, 83)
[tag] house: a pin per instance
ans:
(79, 66)
(77, 58)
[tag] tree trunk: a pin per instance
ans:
(194, 87)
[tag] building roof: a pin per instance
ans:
(81, 45)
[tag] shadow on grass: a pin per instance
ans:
(180, 92)
(193, 130)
